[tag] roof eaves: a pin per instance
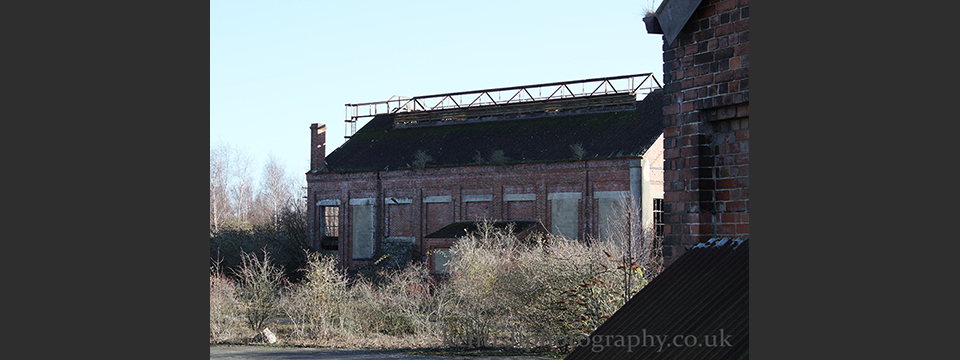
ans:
(673, 15)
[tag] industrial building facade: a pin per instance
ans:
(569, 163)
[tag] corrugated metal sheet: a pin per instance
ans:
(696, 309)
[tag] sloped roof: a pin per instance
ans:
(673, 15)
(380, 145)
(700, 303)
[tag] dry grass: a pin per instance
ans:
(542, 294)
(501, 293)
(226, 324)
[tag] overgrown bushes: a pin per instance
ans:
(225, 322)
(316, 306)
(285, 241)
(546, 293)
(260, 282)
(500, 292)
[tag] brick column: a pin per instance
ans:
(706, 121)
(318, 145)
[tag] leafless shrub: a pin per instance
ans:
(501, 291)
(225, 322)
(316, 305)
(402, 304)
(327, 306)
(506, 292)
(635, 242)
(260, 285)
(411, 290)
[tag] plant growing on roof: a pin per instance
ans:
(420, 159)
(649, 10)
(650, 20)
(498, 158)
(578, 152)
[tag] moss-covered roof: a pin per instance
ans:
(380, 145)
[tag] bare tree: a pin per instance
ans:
(242, 190)
(277, 188)
(636, 246)
(235, 199)
(220, 157)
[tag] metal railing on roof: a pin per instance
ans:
(637, 84)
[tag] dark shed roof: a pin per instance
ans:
(700, 303)
(461, 229)
(380, 145)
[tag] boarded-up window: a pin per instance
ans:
(363, 221)
(565, 214)
(400, 217)
(519, 206)
(613, 215)
(520, 210)
(477, 207)
(438, 212)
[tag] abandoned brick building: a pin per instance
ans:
(540, 155)
(706, 115)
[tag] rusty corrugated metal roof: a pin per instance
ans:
(696, 309)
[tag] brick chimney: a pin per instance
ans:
(318, 145)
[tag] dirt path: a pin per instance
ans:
(247, 352)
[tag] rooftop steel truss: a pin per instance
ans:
(637, 84)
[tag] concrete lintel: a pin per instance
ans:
(611, 194)
(477, 198)
(398, 200)
(329, 202)
(564, 195)
(437, 199)
(363, 201)
(519, 197)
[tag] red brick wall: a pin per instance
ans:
(476, 211)
(318, 145)
(401, 220)
(519, 210)
(706, 127)
(468, 183)
(438, 215)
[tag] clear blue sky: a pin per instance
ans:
(278, 66)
